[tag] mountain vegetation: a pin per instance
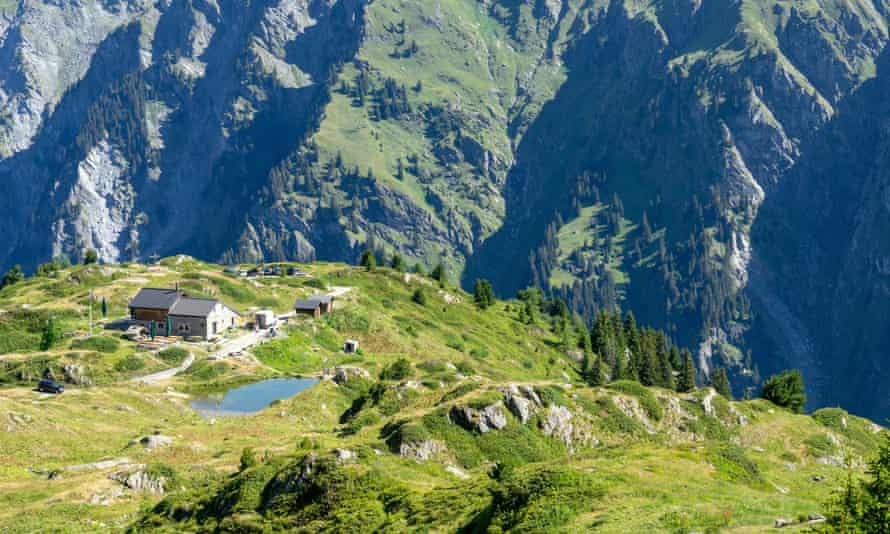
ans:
(452, 416)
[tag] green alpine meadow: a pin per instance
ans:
(444, 265)
(450, 412)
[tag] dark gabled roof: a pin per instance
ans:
(194, 307)
(152, 298)
(313, 302)
(307, 305)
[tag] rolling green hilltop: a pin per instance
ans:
(459, 412)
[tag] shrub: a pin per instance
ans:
(165, 471)
(106, 345)
(173, 355)
(248, 458)
(398, 370)
(419, 296)
(730, 461)
(129, 363)
(820, 445)
(51, 335)
(465, 369)
(480, 353)
(315, 283)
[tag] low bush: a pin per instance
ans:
(731, 462)
(398, 370)
(129, 363)
(105, 345)
(174, 355)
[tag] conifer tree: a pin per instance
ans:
(648, 363)
(438, 274)
(665, 369)
(593, 372)
(720, 382)
(368, 260)
(686, 382)
(398, 263)
(50, 335)
(483, 294)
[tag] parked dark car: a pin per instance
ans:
(50, 386)
(291, 271)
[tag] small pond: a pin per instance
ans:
(250, 398)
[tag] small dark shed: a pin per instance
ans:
(316, 305)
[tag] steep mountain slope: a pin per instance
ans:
(823, 256)
(616, 151)
(692, 114)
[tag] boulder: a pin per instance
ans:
(344, 373)
(520, 407)
(782, 522)
(344, 455)
(522, 401)
(558, 422)
(457, 471)
(75, 374)
(155, 441)
(141, 480)
(491, 417)
(422, 451)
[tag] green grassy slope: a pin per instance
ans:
(618, 458)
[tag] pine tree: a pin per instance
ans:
(686, 382)
(720, 382)
(483, 294)
(12, 276)
(50, 335)
(649, 372)
(787, 390)
(593, 372)
(863, 506)
(398, 263)
(665, 369)
(368, 260)
(439, 274)
(529, 312)
(90, 257)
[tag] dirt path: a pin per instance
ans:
(339, 291)
(168, 374)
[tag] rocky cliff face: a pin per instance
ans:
(619, 152)
(822, 256)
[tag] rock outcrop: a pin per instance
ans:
(482, 420)
(141, 480)
(559, 422)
